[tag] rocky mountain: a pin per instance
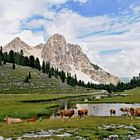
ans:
(69, 57)
(17, 45)
(65, 56)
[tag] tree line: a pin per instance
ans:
(19, 59)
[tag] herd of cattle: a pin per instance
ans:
(81, 113)
(128, 111)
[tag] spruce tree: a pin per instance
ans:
(62, 76)
(49, 74)
(47, 67)
(1, 55)
(5, 57)
(30, 77)
(37, 64)
(43, 67)
(32, 61)
(25, 61)
(14, 66)
(21, 58)
(11, 57)
(0, 62)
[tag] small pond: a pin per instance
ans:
(102, 109)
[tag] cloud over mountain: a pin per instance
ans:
(108, 33)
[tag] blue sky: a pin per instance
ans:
(107, 30)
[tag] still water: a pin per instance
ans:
(102, 109)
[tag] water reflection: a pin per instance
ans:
(96, 109)
(104, 109)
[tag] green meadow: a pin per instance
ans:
(39, 98)
(14, 105)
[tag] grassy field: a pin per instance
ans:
(13, 105)
(18, 99)
(87, 128)
(28, 105)
(12, 82)
(132, 96)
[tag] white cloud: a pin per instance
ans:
(94, 34)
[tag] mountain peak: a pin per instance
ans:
(57, 35)
(17, 45)
(16, 39)
(57, 39)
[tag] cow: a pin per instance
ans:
(33, 119)
(82, 112)
(112, 112)
(134, 112)
(125, 110)
(12, 120)
(67, 113)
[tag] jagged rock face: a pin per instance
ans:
(17, 45)
(70, 58)
(55, 51)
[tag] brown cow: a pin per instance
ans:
(67, 113)
(112, 112)
(134, 112)
(82, 112)
(33, 119)
(12, 120)
(125, 110)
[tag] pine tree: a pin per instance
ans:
(0, 62)
(49, 74)
(1, 55)
(5, 57)
(30, 77)
(43, 67)
(14, 66)
(21, 58)
(37, 64)
(47, 67)
(25, 61)
(62, 76)
(56, 73)
(11, 58)
(32, 61)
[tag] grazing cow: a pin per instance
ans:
(125, 110)
(33, 119)
(12, 120)
(82, 112)
(67, 113)
(134, 112)
(112, 112)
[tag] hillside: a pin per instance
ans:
(13, 81)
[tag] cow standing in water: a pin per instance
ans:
(125, 110)
(134, 112)
(112, 112)
(82, 112)
(67, 113)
